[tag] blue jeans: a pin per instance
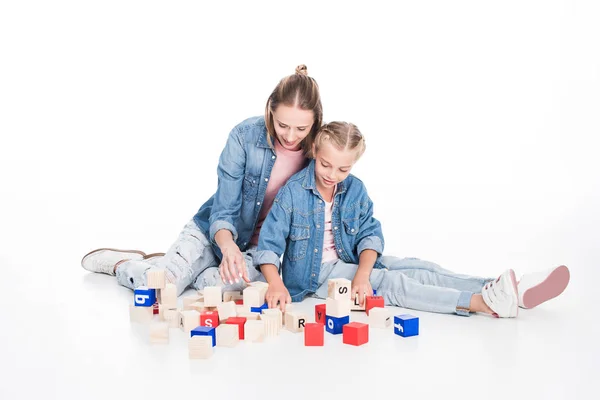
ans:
(189, 261)
(412, 283)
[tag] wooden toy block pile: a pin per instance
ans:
(215, 319)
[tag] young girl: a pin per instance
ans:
(260, 155)
(323, 220)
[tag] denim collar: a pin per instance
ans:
(309, 181)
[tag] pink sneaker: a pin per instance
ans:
(502, 295)
(538, 287)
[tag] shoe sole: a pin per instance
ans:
(108, 248)
(147, 256)
(552, 286)
(513, 279)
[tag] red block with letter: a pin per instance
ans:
(209, 318)
(314, 334)
(239, 321)
(320, 313)
(374, 301)
(356, 333)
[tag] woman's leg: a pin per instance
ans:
(186, 259)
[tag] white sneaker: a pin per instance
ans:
(538, 287)
(104, 260)
(502, 295)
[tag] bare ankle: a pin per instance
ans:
(478, 305)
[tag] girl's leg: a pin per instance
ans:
(429, 273)
(186, 259)
(400, 290)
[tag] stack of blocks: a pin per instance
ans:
(337, 305)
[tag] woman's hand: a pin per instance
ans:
(233, 264)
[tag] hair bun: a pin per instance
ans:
(302, 70)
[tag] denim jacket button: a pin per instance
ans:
(313, 275)
(258, 203)
(318, 226)
(352, 230)
(335, 227)
(316, 250)
(266, 179)
(272, 157)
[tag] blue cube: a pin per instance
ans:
(334, 325)
(144, 297)
(374, 292)
(205, 331)
(406, 325)
(259, 309)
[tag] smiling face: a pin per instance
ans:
(332, 166)
(292, 125)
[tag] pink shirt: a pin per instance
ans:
(329, 251)
(286, 164)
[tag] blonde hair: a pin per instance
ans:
(297, 90)
(343, 135)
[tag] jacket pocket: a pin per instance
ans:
(250, 187)
(299, 235)
(351, 226)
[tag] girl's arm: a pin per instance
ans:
(361, 285)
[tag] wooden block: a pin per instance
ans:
(239, 322)
(241, 309)
(249, 315)
(320, 312)
(188, 320)
(295, 321)
(276, 312)
(355, 305)
(168, 296)
(155, 278)
(262, 288)
(252, 297)
(288, 308)
(380, 317)
(200, 347)
(232, 296)
(372, 302)
(155, 308)
(335, 325)
(356, 333)
(339, 288)
(209, 318)
(314, 334)
(406, 325)
(189, 300)
(144, 297)
(337, 308)
(159, 332)
(272, 322)
(227, 335)
(171, 316)
(142, 315)
(212, 296)
(205, 331)
(254, 330)
(226, 310)
(198, 306)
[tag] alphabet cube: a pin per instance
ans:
(314, 334)
(380, 317)
(159, 332)
(337, 308)
(209, 318)
(406, 325)
(226, 310)
(259, 309)
(356, 333)
(320, 311)
(272, 323)
(205, 331)
(227, 335)
(155, 278)
(295, 321)
(212, 296)
(188, 320)
(168, 296)
(144, 297)
(142, 315)
(252, 298)
(373, 301)
(171, 316)
(277, 313)
(339, 288)
(254, 330)
(335, 325)
(200, 347)
(240, 322)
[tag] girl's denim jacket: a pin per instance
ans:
(295, 226)
(243, 172)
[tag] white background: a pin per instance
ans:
(481, 121)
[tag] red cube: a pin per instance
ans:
(239, 321)
(209, 318)
(356, 333)
(320, 313)
(314, 333)
(155, 308)
(239, 302)
(372, 302)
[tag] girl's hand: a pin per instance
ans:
(277, 293)
(361, 287)
(233, 265)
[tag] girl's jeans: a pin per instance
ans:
(189, 261)
(411, 283)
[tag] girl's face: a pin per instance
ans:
(332, 165)
(292, 125)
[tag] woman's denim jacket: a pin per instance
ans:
(243, 172)
(295, 226)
